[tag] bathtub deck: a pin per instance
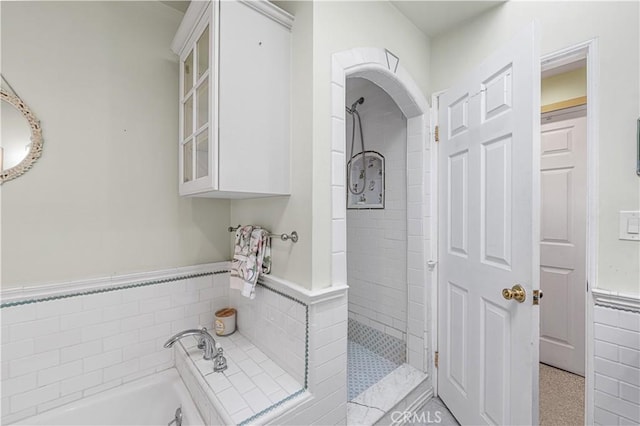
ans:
(253, 389)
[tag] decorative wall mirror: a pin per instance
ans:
(21, 137)
(366, 169)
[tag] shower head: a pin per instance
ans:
(355, 104)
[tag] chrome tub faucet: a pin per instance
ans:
(207, 343)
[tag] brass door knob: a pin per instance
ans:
(516, 292)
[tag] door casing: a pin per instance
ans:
(586, 50)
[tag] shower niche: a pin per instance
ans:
(366, 170)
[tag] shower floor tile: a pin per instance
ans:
(365, 368)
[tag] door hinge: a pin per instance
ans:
(437, 135)
(537, 295)
(436, 359)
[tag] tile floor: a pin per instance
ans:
(365, 368)
(385, 345)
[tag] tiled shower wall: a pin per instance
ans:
(57, 351)
(377, 238)
(617, 366)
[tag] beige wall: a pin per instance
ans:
(103, 199)
(562, 87)
(285, 214)
(321, 29)
(562, 24)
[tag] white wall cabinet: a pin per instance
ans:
(235, 67)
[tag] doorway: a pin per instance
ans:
(563, 216)
(376, 221)
(385, 70)
(585, 52)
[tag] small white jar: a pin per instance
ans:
(225, 322)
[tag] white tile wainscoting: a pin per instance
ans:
(66, 341)
(327, 354)
(617, 359)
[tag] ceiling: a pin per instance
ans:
(180, 5)
(435, 17)
(431, 17)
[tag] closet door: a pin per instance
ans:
(563, 244)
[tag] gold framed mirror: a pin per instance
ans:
(21, 138)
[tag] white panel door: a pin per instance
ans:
(562, 244)
(488, 238)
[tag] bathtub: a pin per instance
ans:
(151, 400)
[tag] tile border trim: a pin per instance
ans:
(272, 407)
(615, 300)
(108, 289)
(46, 293)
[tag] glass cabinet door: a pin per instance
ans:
(195, 111)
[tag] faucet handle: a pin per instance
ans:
(177, 419)
(201, 344)
(220, 362)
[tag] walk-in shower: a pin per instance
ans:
(376, 238)
(387, 246)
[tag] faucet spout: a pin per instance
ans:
(206, 342)
(185, 333)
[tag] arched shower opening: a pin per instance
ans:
(387, 249)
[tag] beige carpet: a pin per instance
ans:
(561, 397)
